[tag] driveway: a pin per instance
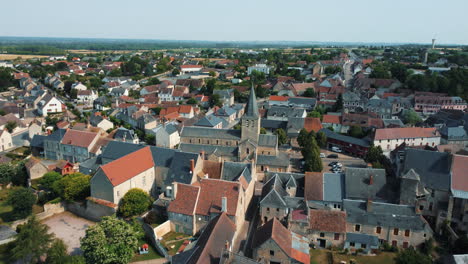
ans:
(70, 228)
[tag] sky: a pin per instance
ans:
(390, 21)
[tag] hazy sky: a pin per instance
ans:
(415, 21)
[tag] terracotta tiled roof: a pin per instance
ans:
(405, 132)
(212, 168)
(327, 221)
(278, 98)
(331, 119)
(312, 123)
(212, 192)
(459, 173)
(190, 66)
(78, 138)
(186, 199)
(127, 167)
(186, 109)
(313, 186)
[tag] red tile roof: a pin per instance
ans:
(405, 132)
(313, 186)
(459, 173)
(331, 119)
(190, 66)
(186, 109)
(127, 167)
(274, 230)
(327, 221)
(278, 98)
(212, 192)
(312, 123)
(79, 138)
(186, 199)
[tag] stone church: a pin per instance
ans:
(244, 145)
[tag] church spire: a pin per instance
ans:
(251, 110)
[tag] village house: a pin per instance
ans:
(6, 141)
(49, 104)
(101, 122)
(166, 135)
(86, 97)
(390, 138)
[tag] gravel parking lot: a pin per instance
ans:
(70, 228)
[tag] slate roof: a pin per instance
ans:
(273, 193)
(369, 240)
(57, 135)
(38, 141)
(282, 159)
(358, 185)
(302, 101)
(209, 121)
(231, 171)
(179, 170)
(273, 124)
(432, 167)
(454, 133)
(343, 138)
(285, 111)
(327, 221)
(117, 149)
(210, 149)
(202, 132)
(267, 140)
(384, 214)
(251, 109)
(333, 187)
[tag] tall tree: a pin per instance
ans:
(32, 241)
(109, 241)
(57, 253)
(282, 137)
(135, 202)
(22, 201)
(321, 139)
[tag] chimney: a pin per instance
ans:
(371, 179)
(369, 205)
(224, 204)
(202, 154)
(192, 166)
(174, 190)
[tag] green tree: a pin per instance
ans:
(109, 241)
(356, 131)
(309, 92)
(260, 91)
(6, 79)
(302, 137)
(153, 81)
(282, 137)
(57, 253)
(411, 256)
(314, 114)
(22, 201)
(192, 101)
(32, 241)
(135, 202)
(263, 131)
(374, 154)
(6, 172)
(210, 86)
(215, 100)
(311, 153)
(47, 181)
(175, 72)
(411, 117)
(150, 139)
(321, 139)
(338, 104)
(20, 177)
(73, 187)
(10, 126)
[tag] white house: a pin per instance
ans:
(190, 68)
(390, 138)
(260, 68)
(50, 104)
(86, 97)
(167, 135)
(114, 179)
(6, 141)
(79, 86)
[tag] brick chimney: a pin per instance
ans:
(371, 179)
(369, 205)
(192, 166)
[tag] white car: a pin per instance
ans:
(336, 149)
(322, 155)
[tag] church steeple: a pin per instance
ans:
(251, 109)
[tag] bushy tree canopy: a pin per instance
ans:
(135, 202)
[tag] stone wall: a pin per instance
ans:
(91, 210)
(49, 210)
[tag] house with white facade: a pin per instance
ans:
(79, 86)
(167, 135)
(390, 138)
(86, 97)
(50, 104)
(6, 141)
(190, 68)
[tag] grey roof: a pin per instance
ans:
(432, 167)
(333, 189)
(57, 135)
(203, 132)
(89, 166)
(117, 149)
(281, 160)
(394, 122)
(352, 140)
(267, 140)
(295, 124)
(227, 93)
(273, 193)
(273, 124)
(122, 133)
(209, 121)
(251, 109)
(384, 214)
(369, 240)
(302, 101)
(170, 128)
(351, 96)
(285, 111)
(210, 149)
(94, 120)
(454, 133)
(6, 232)
(226, 111)
(38, 141)
(460, 259)
(163, 157)
(358, 185)
(233, 170)
(179, 171)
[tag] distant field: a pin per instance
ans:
(81, 51)
(15, 56)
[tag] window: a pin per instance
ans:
(337, 236)
(357, 228)
(405, 244)
(421, 207)
(248, 151)
(407, 233)
(277, 209)
(144, 180)
(322, 234)
(363, 245)
(395, 231)
(394, 243)
(378, 230)
(268, 209)
(272, 252)
(118, 194)
(351, 244)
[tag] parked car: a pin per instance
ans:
(332, 163)
(322, 155)
(332, 156)
(336, 149)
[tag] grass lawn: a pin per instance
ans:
(173, 247)
(318, 256)
(152, 253)
(6, 210)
